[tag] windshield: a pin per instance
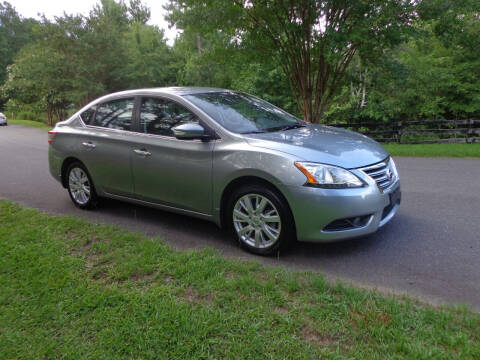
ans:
(244, 114)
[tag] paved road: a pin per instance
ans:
(431, 249)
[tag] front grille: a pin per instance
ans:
(382, 173)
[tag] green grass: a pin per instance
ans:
(32, 123)
(71, 289)
(434, 150)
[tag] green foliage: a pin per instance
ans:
(266, 82)
(15, 33)
(149, 58)
(210, 60)
(39, 78)
(434, 75)
(312, 41)
(76, 59)
(206, 60)
(386, 61)
(139, 12)
(425, 78)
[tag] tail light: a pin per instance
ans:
(51, 135)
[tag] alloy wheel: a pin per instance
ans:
(79, 185)
(256, 221)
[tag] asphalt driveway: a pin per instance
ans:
(431, 249)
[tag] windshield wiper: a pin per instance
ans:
(253, 132)
(290, 127)
(286, 127)
(279, 128)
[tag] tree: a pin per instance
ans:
(313, 41)
(266, 81)
(212, 66)
(75, 59)
(434, 75)
(149, 58)
(40, 78)
(139, 12)
(15, 33)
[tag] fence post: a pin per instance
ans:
(399, 132)
(470, 132)
(456, 127)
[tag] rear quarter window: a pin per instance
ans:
(87, 115)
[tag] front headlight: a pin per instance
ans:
(394, 168)
(328, 176)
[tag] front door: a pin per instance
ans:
(166, 170)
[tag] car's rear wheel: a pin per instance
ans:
(80, 186)
(260, 219)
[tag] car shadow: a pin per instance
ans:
(183, 232)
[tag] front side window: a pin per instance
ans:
(159, 116)
(242, 113)
(116, 114)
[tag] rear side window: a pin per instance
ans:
(158, 116)
(115, 114)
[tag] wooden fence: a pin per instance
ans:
(419, 132)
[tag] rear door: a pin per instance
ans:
(166, 170)
(106, 145)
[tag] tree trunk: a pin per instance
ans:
(307, 106)
(199, 44)
(49, 116)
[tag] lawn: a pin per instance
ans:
(434, 150)
(76, 290)
(32, 123)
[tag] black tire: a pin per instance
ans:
(287, 234)
(92, 200)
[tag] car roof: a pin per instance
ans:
(174, 90)
(185, 90)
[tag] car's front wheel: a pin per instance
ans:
(260, 219)
(80, 186)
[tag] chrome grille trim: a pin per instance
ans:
(379, 173)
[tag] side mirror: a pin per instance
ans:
(189, 131)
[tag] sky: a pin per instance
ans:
(51, 8)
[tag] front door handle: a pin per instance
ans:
(142, 152)
(89, 145)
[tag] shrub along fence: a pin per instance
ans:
(419, 132)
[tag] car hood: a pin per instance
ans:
(323, 144)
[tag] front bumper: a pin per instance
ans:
(315, 209)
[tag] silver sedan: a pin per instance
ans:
(230, 158)
(3, 119)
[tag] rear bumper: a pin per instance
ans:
(55, 164)
(315, 210)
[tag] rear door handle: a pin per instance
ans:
(89, 145)
(142, 152)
